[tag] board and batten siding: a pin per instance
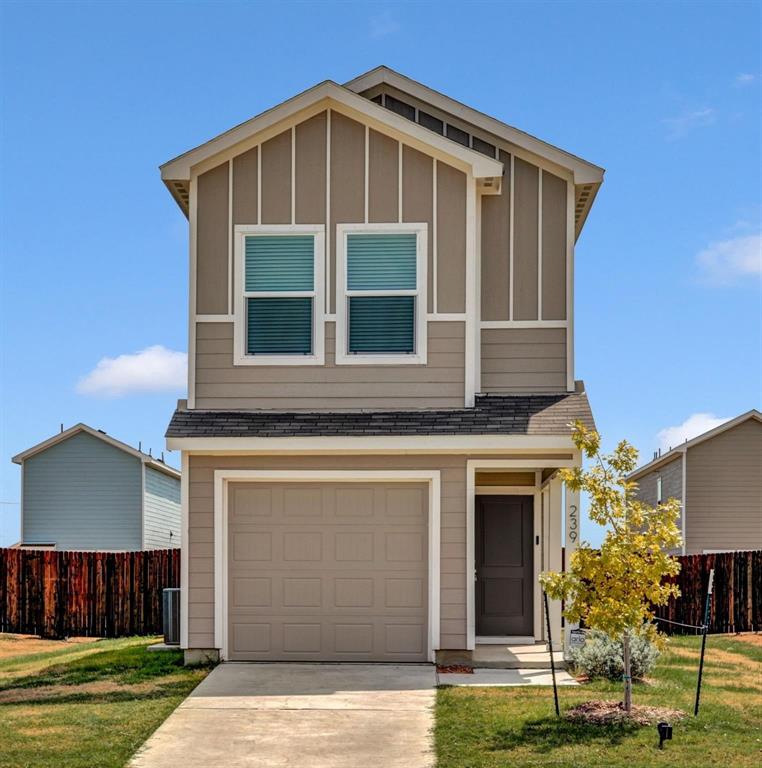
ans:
(221, 385)
(201, 531)
(723, 493)
(161, 511)
(82, 494)
(328, 183)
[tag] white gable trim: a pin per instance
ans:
(76, 429)
(323, 96)
(584, 171)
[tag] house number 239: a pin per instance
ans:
(573, 522)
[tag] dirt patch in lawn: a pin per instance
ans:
(727, 658)
(23, 645)
(100, 688)
(612, 712)
(751, 638)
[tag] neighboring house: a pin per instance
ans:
(84, 490)
(381, 376)
(717, 478)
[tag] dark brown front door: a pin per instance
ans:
(504, 565)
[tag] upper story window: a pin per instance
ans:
(279, 318)
(381, 294)
(659, 494)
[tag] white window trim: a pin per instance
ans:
(240, 356)
(421, 304)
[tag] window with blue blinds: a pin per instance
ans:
(282, 265)
(381, 293)
(385, 262)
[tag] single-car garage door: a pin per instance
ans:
(327, 571)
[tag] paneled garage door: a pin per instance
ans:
(327, 571)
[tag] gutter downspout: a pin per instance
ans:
(684, 451)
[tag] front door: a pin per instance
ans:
(504, 566)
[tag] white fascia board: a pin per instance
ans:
(345, 101)
(389, 444)
(584, 171)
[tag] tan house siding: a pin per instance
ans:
(276, 179)
(310, 156)
(440, 383)
(523, 360)
(451, 239)
(496, 244)
(221, 385)
(383, 178)
(418, 202)
(671, 482)
(525, 243)
(724, 490)
(201, 531)
(212, 242)
(554, 211)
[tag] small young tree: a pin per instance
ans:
(613, 588)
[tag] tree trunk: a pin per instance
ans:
(627, 672)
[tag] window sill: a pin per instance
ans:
(342, 359)
(278, 360)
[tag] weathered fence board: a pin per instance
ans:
(737, 598)
(85, 594)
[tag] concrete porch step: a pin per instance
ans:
(535, 656)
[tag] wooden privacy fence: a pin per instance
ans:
(81, 594)
(737, 598)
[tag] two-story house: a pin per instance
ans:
(381, 353)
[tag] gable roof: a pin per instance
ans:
(80, 428)
(588, 177)
(177, 172)
(673, 453)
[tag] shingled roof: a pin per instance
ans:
(492, 415)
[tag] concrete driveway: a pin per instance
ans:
(306, 715)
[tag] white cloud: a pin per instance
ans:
(744, 78)
(154, 369)
(728, 261)
(695, 425)
(684, 123)
(383, 24)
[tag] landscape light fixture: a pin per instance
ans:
(665, 733)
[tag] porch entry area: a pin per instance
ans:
(515, 530)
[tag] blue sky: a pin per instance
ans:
(665, 96)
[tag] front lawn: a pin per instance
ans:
(516, 727)
(82, 705)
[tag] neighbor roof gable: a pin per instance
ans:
(673, 453)
(84, 429)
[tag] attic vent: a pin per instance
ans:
(483, 146)
(400, 107)
(431, 122)
(457, 135)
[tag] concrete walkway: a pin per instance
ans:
(306, 715)
(491, 678)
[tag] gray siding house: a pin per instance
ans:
(717, 477)
(84, 490)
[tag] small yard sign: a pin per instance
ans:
(576, 638)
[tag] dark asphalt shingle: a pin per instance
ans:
(492, 415)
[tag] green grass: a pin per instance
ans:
(87, 705)
(517, 727)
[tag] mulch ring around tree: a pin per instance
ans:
(612, 712)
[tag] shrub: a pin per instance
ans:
(601, 656)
